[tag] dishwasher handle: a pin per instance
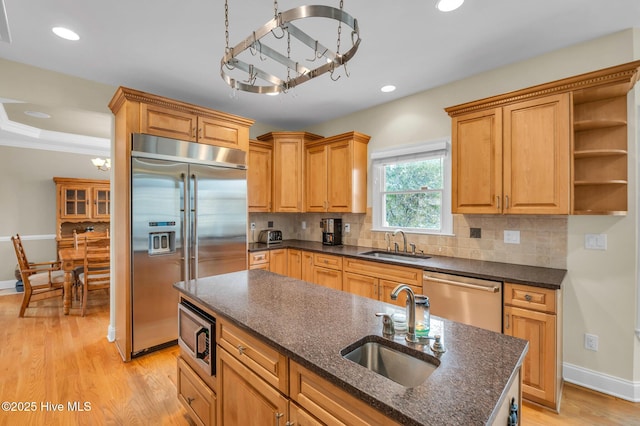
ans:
(490, 288)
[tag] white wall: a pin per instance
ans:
(600, 291)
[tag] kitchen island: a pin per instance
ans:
(312, 325)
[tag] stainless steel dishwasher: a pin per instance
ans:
(467, 300)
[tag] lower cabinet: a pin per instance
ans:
(294, 263)
(327, 270)
(532, 313)
(278, 261)
(259, 260)
(195, 395)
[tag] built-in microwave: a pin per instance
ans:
(197, 336)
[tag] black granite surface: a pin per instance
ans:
(312, 324)
(519, 274)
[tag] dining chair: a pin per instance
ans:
(96, 273)
(40, 280)
(83, 239)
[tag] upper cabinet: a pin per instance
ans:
(556, 148)
(259, 165)
(336, 174)
(288, 169)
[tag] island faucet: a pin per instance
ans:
(411, 311)
(404, 238)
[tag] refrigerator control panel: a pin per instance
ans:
(162, 242)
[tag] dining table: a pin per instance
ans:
(70, 259)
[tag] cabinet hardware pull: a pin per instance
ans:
(527, 297)
(289, 423)
(278, 416)
(498, 202)
(190, 400)
(241, 350)
(506, 326)
(506, 202)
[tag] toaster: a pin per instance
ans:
(270, 236)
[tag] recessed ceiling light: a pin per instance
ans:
(388, 88)
(37, 114)
(65, 33)
(448, 5)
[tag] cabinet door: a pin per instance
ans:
(307, 266)
(361, 285)
(170, 123)
(259, 177)
(299, 417)
(386, 287)
(221, 133)
(538, 369)
(327, 277)
(537, 143)
(288, 175)
(316, 178)
(338, 177)
(101, 203)
(294, 263)
(195, 396)
(75, 202)
(246, 399)
(278, 261)
(476, 152)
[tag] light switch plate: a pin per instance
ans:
(595, 241)
(512, 237)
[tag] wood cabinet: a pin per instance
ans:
(327, 270)
(259, 260)
(555, 148)
(195, 395)
(288, 169)
(533, 314)
(376, 280)
(336, 174)
(307, 266)
(189, 125)
(139, 112)
(81, 203)
(294, 263)
(514, 159)
(259, 173)
(278, 261)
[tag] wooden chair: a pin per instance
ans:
(83, 239)
(96, 273)
(41, 280)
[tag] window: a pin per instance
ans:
(412, 188)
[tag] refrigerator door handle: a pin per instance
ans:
(194, 228)
(185, 228)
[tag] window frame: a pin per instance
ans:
(407, 153)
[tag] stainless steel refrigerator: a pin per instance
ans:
(188, 220)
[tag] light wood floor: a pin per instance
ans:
(47, 357)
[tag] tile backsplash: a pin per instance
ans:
(543, 239)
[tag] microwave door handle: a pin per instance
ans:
(201, 355)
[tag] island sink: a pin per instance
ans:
(402, 257)
(379, 357)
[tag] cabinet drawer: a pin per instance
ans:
(328, 403)
(327, 261)
(528, 297)
(258, 257)
(401, 274)
(197, 398)
(262, 359)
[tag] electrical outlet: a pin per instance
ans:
(253, 226)
(347, 228)
(270, 224)
(475, 233)
(304, 225)
(512, 237)
(595, 241)
(591, 342)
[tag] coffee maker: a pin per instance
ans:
(332, 232)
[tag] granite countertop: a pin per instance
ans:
(519, 274)
(312, 324)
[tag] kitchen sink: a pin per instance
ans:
(403, 257)
(376, 354)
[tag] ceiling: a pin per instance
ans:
(173, 49)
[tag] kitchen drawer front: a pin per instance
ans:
(258, 258)
(328, 403)
(327, 261)
(259, 357)
(528, 297)
(401, 274)
(195, 395)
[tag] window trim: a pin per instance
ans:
(413, 152)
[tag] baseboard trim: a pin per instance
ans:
(7, 284)
(601, 382)
(111, 333)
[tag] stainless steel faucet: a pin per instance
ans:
(411, 310)
(404, 238)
